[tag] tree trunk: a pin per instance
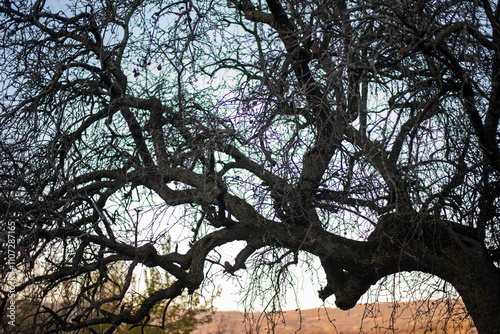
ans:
(483, 303)
(447, 250)
(478, 283)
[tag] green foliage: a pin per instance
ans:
(179, 316)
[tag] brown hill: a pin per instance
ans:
(415, 317)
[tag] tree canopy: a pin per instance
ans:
(360, 133)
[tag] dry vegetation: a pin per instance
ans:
(419, 317)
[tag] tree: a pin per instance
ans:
(360, 133)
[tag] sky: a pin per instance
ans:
(305, 295)
(231, 296)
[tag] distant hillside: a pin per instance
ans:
(420, 317)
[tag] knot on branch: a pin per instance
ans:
(397, 228)
(230, 269)
(422, 230)
(146, 254)
(239, 262)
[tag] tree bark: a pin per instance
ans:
(462, 261)
(413, 242)
(478, 283)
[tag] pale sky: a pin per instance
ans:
(305, 295)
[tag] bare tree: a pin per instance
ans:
(362, 133)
